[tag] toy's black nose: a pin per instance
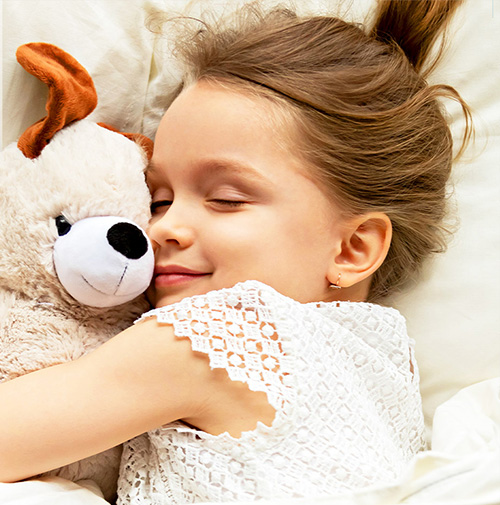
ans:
(128, 240)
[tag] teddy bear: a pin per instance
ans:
(75, 259)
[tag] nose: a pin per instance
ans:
(174, 227)
(128, 240)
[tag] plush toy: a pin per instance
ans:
(74, 258)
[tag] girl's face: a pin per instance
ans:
(232, 202)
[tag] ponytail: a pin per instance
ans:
(413, 25)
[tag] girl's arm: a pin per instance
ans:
(139, 380)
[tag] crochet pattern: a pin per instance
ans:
(339, 375)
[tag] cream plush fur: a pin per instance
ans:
(85, 171)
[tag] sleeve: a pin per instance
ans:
(239, 331)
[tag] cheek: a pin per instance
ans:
(243, 242)
(230, 242)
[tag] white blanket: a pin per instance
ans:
(463, 467)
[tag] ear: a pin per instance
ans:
(365, 242)
(72, 95)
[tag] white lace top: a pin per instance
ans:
(348, 409)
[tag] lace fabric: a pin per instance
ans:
(339, 375)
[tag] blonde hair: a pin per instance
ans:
(367, 121)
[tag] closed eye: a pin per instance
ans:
(228, 203)
(159, 204)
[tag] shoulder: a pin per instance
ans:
(228, 323)
(227, 331)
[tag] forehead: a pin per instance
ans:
(222, 109)
(213, 121)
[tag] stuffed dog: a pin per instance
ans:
(74, 258)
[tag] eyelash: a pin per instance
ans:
(228, 203)
(218, 201)
(160, 203)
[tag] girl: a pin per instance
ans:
(299, 173)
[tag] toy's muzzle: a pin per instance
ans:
(104, 261)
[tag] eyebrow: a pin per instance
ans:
(210, 167)
(231, 166)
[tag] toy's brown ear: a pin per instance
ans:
(72, 95)
(145, 142)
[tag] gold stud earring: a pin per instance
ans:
(336, 285)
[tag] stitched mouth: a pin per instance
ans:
(121, 278)
(93, 287)
(103, 292)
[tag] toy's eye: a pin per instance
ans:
(63, 225)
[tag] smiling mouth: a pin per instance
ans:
(176, 278)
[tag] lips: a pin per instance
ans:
(172, 275)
